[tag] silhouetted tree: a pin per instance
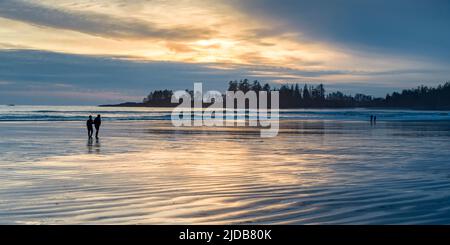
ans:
(244, 86)
(306, 95)
(233, 86)
(256, 86)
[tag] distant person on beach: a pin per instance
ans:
(371, 118)
(374, 119)
(97, 123)
(89, 124)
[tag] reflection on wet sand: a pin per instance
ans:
(93, 147)
(313, 172)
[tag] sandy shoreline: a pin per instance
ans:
(149, 173)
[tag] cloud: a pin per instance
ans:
(93, 23)
(5, 83)
(405, 27)
(36, 77)
(360, 46)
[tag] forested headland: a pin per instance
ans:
(309, 96)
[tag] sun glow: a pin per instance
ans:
(216, 33)
(192, 31)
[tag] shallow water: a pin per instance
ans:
(147, 172)
(79, 113)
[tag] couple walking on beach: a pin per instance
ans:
(90, 123)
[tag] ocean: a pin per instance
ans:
(80, 113)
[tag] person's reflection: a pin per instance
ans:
(89, 145)
(97, 146)
(93, 147)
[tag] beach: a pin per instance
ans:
(324, 167)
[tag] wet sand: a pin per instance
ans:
(314, 172)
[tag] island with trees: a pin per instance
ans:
(307, 96)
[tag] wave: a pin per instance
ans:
(80, 113)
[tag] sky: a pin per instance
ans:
(87, 52)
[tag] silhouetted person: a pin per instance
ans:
(371, 118)
(97, 123)
(89, 124)
(374, 119)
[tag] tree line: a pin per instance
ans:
(309, 96)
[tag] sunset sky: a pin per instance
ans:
(106, 51)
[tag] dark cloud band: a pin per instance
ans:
(95, 23)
